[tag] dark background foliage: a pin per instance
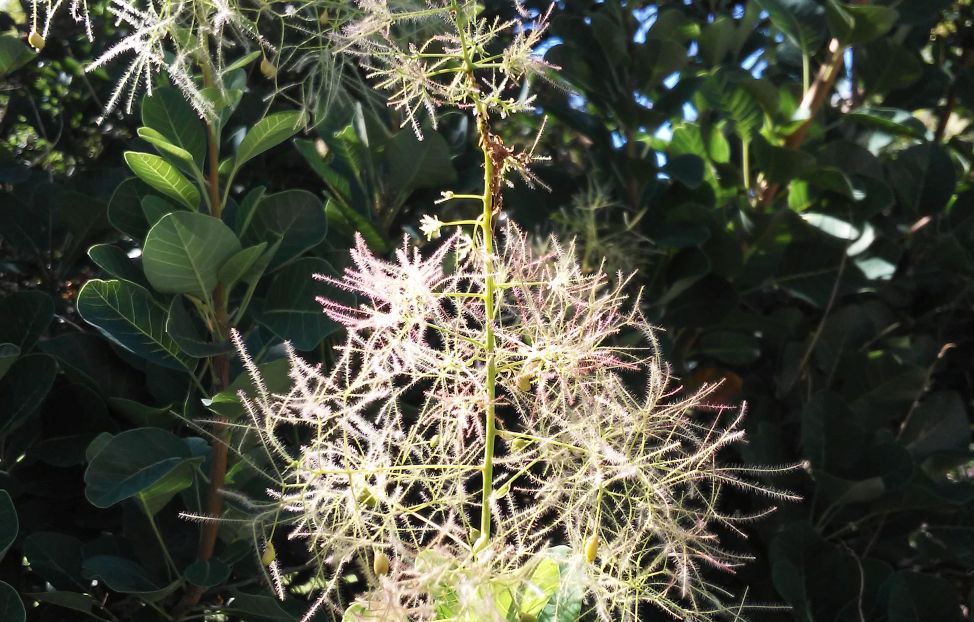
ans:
(820, 269)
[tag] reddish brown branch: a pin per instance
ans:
(812, 103)
(221, 371)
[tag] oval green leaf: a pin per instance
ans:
(127, 314)
(269, 132)
(164, 177)
(167, 112)
(148, 464)
(184, 251)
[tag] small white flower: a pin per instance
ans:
(430, 226)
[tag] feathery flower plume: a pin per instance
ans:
(498, 433)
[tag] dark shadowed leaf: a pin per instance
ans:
(207, 573)
(73, 601)
(148, 464)
(125, 576)
(290, 310)
(167, 112)
(128, 315)
(188, 332)
(9, 525)
(116, 263)
(24, 388)
(125, 208)
(11, 607)
(294, 220)
(56, 558)
(24, 316)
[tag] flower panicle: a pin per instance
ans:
(590, 456)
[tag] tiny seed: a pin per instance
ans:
(35, 40)
(524, 382)
(591, 548)
(380, 564)
(519, 444)
(367, 498)
(267, 68)
(269, 555)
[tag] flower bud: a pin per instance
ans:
(268, 68)
(367, 498)
(519, 444)
(35, 40)
(380, 564)
(591, 548)
(269, 555)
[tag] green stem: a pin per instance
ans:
(806, 72)
(162, 543)
(746, 165)
(490, 431)
(487, 229)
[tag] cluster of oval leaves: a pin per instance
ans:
(840, 310)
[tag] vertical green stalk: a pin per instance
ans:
(487, 230)
(746, 166)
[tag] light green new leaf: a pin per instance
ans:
(164, 177)
(526, 599)
(270, 131)
(242, 62)
(565, 605)
(126, 313)
(184, 251)
(163, 145)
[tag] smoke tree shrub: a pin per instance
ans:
(498, 438)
